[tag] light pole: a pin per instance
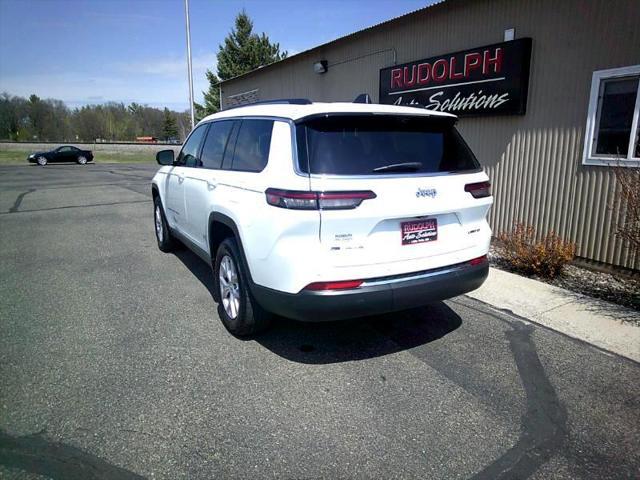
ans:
(186, 11)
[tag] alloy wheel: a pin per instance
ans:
(159, 228)
(229, 286)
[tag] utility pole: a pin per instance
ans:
(186, 11)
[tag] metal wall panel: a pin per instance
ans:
(535, 160)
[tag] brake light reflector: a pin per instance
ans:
(478, 190)
(343, 200)
(478, 260)
(342, 285)
(297, 200)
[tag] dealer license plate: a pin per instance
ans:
(419, 231)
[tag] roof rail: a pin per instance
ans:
(279, 101)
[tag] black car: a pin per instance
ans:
(65, 153)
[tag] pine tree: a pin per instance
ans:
(169, 126)
(241, 52)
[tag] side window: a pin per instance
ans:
(189, 154)
(215, 144)
(612, 135)
(252, 148)
(614, 117)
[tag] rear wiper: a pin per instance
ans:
(400, 167)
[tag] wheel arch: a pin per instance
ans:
(220, 227)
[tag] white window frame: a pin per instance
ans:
(589, 157)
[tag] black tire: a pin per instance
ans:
(166, 241)
(82, 160)
(251, 318)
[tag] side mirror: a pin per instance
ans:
(165, 157)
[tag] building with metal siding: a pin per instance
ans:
(536, 160)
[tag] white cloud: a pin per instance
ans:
(172, 66)
(123, 17)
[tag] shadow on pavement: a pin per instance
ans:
(604, 308)
(348, 340)
(196, 265)
(59, 164)
(360, 338)
(36, 454)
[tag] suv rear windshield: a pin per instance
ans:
(381, 144)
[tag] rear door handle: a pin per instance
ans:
(211, 184)
(180, 178)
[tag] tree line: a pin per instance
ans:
(35, 119)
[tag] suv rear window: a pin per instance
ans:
(381, 144)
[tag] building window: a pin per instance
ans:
(613, 135)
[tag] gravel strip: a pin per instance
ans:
(619, 289)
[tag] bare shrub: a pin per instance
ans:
(628, 229)
(523, 253)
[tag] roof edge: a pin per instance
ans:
(339, 39)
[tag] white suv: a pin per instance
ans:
(325, 211)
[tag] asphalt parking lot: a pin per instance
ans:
(113, 364)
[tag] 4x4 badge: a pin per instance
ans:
(426, 192)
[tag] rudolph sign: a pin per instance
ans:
(491, 80)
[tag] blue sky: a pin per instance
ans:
(93, 51)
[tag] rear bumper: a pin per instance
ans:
(375, 296)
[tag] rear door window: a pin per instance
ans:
(215, 144)
(381, 144)
(231, 145)
(252, 146)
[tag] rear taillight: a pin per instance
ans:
(478, 190)
(297, 200)
(293, 200)
(478, 260)
(343, 200)
(342, 285)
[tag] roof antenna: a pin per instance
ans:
(363, 98)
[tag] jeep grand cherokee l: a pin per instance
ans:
(324, 211)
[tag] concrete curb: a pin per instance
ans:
(606, 325)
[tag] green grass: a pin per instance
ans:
(8, 157)
(124, 157)
(19, 157)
